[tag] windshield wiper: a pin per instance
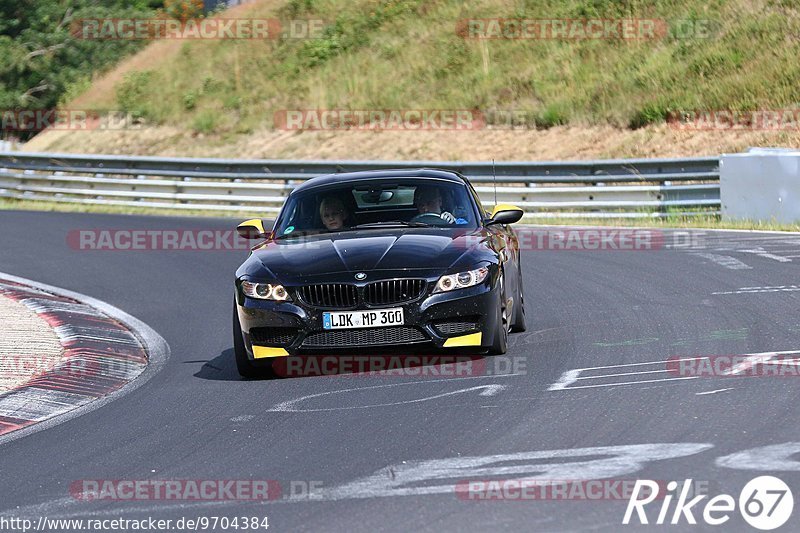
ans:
(391, 223)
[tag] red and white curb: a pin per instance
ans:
(107, 353)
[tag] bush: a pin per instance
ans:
(649, 114)
(297, 7)
(44, 63)
(205, 122)
(551, 116)
(189, 100)
(184, 9)
(133, 93)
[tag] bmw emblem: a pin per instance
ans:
(361, 276)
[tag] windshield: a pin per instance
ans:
(402, 202)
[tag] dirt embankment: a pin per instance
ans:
(558, 143)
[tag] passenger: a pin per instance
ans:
(428, 200)
(333, 213)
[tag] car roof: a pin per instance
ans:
(331, 179)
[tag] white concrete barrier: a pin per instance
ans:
(762, 184)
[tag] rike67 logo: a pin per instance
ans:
(765, 503)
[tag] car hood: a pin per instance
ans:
(417, 249)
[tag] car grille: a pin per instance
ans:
(364, 337)
(330, 295)
(456, 327)
(393, 291)
(280, 336)
(345, 295)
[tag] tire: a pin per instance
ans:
(243, 364)
(518, 322)
(500, 341)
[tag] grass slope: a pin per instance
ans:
(407, 54)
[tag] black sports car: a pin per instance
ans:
(374, 260)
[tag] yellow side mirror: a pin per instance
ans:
(252, 229)
(505, 214)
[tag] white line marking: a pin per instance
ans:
(775, 457)
(712, 391)
(760, 290)
(648, 362)
(565, 382)
(760, 359)
(750, 361)
(425, 477)
(763, 253)
(624, 374)
(491, 390)
(442, 476)
(567, 378)
(725, 261)
(289, 406)
(629, 383)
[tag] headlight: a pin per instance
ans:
(461, 280)
(265, 291)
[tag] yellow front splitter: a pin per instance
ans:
(262, 352)
(473, 339)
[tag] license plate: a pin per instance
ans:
(362, 319)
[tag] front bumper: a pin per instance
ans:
(464, 318)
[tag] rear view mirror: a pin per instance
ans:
(252, 229)
(377, 197)
(505, 214)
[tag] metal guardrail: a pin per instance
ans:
(610, 188)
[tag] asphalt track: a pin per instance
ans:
(195, 419)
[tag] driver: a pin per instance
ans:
(428, 200)
(333, 213)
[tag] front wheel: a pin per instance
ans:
(245, 367)
(500, 342)
(518, 323)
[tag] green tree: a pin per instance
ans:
(40, 58)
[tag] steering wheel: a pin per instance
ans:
(432, 219)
